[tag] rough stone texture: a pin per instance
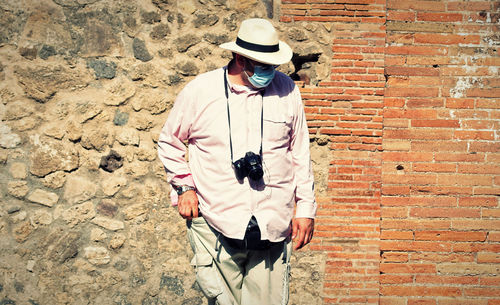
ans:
(97, 255)
(8, 139)
(48, 156)
(43, 197)
(85, 87)
(109, 224)
(79, 189)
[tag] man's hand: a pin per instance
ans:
(302, 231)
(188, 205)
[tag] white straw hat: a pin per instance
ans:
(258, 40)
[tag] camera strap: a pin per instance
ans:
(226, 90)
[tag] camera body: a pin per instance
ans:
(250, 165)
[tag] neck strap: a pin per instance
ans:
(226, 90)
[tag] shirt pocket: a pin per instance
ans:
(276, 128)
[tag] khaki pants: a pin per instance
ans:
(229, 276)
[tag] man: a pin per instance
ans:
(249, 164)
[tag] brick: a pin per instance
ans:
(463, 301)
(442, 146)
(415, 5)
(464, 180)
(419, 27)
(490, 281)
(396, 145)
(439, 17)
(420, 291)
(479, 92)
(412, 179)
(446, 280)
(474, 135)
(411, 71)
(478, 201)
(436, 123)
(451, 236)
(478, 124)
(494, 237)
(413, 92)
(434, 167)
(414, 134)
(445, 39)
(411, 246)
(407, 156)
(491, 213)
(425, 103)
(479, 169)
(419, 201)
(421, 302)
(441, 190)
(459, 157)
(484, 147)
(459, 103)
(482, 292)
(395, 279)
(392, 301)
(469, 6)
(396, 235)
(441, 258)
(487, 257)
(445, 212)
(407, 268)
(395, 190)
(394, 257)
(416, 50)
(400, 16)
(476, 224)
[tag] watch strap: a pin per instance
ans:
(181, 189)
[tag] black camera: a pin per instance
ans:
(250, 165)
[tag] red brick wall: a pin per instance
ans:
(412, 110)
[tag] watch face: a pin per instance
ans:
(183, 188)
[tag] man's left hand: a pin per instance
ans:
(302, 231)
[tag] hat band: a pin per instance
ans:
(257, 47)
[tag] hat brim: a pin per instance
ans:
(273, 58)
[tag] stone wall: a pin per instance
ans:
(85, 87)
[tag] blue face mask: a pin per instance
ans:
(262, 76)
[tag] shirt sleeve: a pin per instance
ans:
(171, 147)
(301, 160)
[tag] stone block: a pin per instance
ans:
(97, 255)
(18, 170)
(8, 139)
(79, 213)
(18, 189)
(43, 197)
(108, 223)
(48, 156)
(79, 189)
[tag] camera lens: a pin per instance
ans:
(256, 173)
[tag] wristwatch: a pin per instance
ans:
(181, 189)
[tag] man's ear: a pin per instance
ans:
(240, 61)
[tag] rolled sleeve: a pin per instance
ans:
(301, 158)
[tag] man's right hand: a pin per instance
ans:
(188, 205)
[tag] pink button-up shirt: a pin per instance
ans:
(199, 116)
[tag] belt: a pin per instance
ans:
(252, 240)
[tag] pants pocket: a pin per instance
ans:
(207, 276)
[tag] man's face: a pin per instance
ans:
(250, 65)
